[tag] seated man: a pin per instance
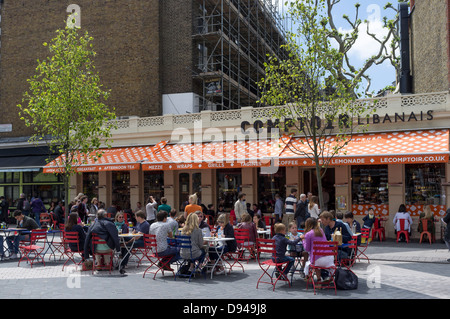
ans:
(162, 229)
(106, 230)
(13, 241)
(330, 225)
(142, 227)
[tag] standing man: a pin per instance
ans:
(150, 209)
(290, 206)
(301, 211)
(4, 207)
(240, 207)
(37, 207)
(278, 211)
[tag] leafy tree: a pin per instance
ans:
(317, 103)
(387, 45)
(65, 103)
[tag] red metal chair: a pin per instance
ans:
(33, 251)
(402, 230)
(162, 263)
(267, 246)
(96, 240)
(378, 230)
(321, 249)
(45, 219)
(72, 238)
(365, 235)
(425, 231)
(243, 243)
(353, 247)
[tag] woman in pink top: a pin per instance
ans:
(313, 233)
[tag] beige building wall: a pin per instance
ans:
(430, 47)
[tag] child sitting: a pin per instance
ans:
(294, 251)
(369, 219)
(281, 243)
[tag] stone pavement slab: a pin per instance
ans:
(396, 271)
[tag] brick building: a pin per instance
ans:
(156, 57)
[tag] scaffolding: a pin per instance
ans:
(233, 39)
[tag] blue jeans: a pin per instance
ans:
(170, 251)
(37, 218)
(13, 243)
(139, 243)
(290, 261)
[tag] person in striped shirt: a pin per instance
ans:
(290, 206)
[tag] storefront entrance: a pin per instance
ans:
(189, 183)
(328, 181)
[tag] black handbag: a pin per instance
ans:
(345, 279)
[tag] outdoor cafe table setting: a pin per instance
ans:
(50, 243)
(126, 237)
(218, 244)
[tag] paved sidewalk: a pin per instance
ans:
(395, 271)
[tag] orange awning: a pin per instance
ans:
(234, 154)
(409, 147)
(114, 159)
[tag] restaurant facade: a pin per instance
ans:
(402, 158)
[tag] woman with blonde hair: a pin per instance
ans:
(192, 207)
(428, 215)
(192, 230)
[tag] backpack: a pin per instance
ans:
(26, 205)
(345, 279)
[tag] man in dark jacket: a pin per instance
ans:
(4, 207)
(106, 230)
(13, 241)
(301, 211)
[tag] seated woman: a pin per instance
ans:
(224, 230)
(119, 221)
(428, 215)
(260, 225)
(74, 225)
(196, 252)
(402, 214)
(247, 223)
(313, 233)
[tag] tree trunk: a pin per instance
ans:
(319, 184)
(66, 179)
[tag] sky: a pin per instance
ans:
(373, 11)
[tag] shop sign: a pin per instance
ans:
(259, 125)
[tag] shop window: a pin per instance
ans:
(121, 190)
(40, 177)
(423, 184)
(268, 186)
(90, 185)
(153, 185)
(9, 177)
(370, 185)
(229, 185)
(183, 179)
(47, 193)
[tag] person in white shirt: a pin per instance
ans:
(240, 207)
(402, 214)
(313, 208)
(150, 209)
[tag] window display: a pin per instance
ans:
(370, 185)
(229, 185)
(423, 184)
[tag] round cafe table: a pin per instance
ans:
(217, 243)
